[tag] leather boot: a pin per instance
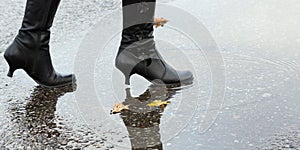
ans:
(30, 49)
(138, 54)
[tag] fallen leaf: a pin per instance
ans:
(119, 108)
(157, 103)
(160, 22)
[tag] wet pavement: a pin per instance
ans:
(259, 42)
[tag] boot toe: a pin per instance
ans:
(58, 80)
(63, 80)
(178, 78)
(185, 76)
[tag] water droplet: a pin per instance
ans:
(236, 141)
(266, 95)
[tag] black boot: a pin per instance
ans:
(30, 49)
(138, 54)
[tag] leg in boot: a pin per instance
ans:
(138, 54)
(30, 49)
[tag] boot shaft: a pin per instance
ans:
(39, 15)
(34, 35)
(138, 20)
(137, 33)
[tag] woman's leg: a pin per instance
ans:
(30, 49)
(137, 53)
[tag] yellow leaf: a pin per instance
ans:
(157, 103)
(160, 22)
(118, 108)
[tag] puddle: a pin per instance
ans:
(261, 56)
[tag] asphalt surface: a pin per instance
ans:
(259, 43)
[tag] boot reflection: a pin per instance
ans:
(142, 121)
(40, 116)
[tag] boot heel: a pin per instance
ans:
(12, 66)
(127, 71)
(128, 64)
(127, 79)
(11, 72)
(127, 74)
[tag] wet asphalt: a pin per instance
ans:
(259, 43)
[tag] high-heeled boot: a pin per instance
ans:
(138, 54)
(30, 49)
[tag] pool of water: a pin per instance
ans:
(245, 93)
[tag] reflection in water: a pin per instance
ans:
(142, 121)
(40, 113)
(34, 125)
